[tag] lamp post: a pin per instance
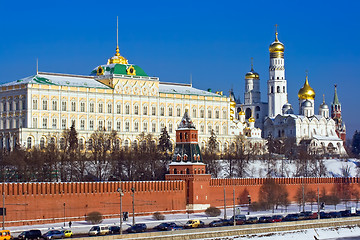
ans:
(64, 214)
(133, 205)
(121, 195)
(249, 198)
(224, 203)
(234, 206)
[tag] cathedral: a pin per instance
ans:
(320, 132)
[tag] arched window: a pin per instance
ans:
(248, 113)
(90, 144)
(42, 143)
(284, 89)
(278, 89)
(257, 108)
(28, 143)
(272, 89)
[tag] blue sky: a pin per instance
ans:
(212, 40)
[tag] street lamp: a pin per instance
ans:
(249, 198)
(64, 214)
(121, 195)
(133, 205)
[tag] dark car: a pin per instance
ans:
(277, 218)
(309, 215)
(219, 223)
(114, 229)
(325, 215)
(291, 217)
(53, 234)
(345, 213)
(252, 220)
(335, 214)
(166, 226)
(264, 219)
(239, 219)
(32, 234)
(139, 227)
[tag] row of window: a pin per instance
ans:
(136, 109)
(13, 105)
(135, 127)
(278, 89)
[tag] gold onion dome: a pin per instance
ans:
(276, 46)
(252, 74)
(241, 113)
(306, 92)
(117, 58)
(251, 119)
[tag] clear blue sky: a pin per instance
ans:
(212, 40)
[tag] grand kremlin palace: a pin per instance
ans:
(117, 96)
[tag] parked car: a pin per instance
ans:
(335, 214)
(310, 215)
(240, 219)
(53, 234)
(99, 230)
(114, 229)
(265, 219)
(325, 215)
(194, 224)
(167, 226)
(219, 223)
(277, 218)
(252, 220)
(137, 228)
(67, 233)
(345, 213)
(5, 235)
(29, 235)
(291, 217)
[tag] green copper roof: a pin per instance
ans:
(336, 99)
(121, 69)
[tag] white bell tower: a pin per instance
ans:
(277, 85)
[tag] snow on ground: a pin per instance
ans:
(287, 168)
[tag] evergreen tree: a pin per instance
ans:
(212, 143)
(164, 145)
(73, 138)
(355, 147)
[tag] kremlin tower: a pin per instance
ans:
(336, 115)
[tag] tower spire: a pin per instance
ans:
(324, 98)
(117, 58)
(276, 33)
(336, 99)
(37, 66)
(117, 36)
(252, 64)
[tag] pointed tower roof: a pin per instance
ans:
(186, 122)
(336, 99)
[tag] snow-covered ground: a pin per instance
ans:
(333, 168)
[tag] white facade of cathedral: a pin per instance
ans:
(277, 119)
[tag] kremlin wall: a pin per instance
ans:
(36, 203)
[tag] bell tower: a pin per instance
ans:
(187, 165)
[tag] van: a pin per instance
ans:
(5, 235)
(99, 230)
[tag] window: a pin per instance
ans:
(170, 111)
(28, 144)
(178, 112)
(202, 113)
(54, 123)
(54, 105)
(136, 110)
(209, 129)
(145, 127)
(118, 126)
(153, 110)
(81, 144)
(283, 89)
(92, 107)
(194, 113)
(217, 114)
(4, 105)
(127, 109)
(202, 128)
(82, 107)
(109, 125)
(272, 89)
(73, 122)
(162, 126)
(136, 126)
(209, 113)
(34, 105)
(101, 126)
(127, 126)
(35, 125)
(44, 107)
(162, 111)
(217, 130)
(145, 109)
(170, 127)
(224, 131)
(278, 89)
(109, 106)
(42, 143)
(63, 106)
(10, 105)
(89, 144)
(118, 108)
(153, 127)
(63, 123)
(73, 106)
(100, 107)
(91, 124)
(44, 124)
(82, 124)
(224, 114)
(17, 105)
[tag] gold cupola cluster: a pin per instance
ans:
(277, 48)
(306, 92)
(117, 58)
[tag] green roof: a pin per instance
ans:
(120, 69)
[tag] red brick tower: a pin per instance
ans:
(336, 115)
(187, 165)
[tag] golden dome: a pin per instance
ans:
(276, 46)
(232, 104)
(117, 58)
(252, 75)
(241, 113)
(306, 92)
(251, 119)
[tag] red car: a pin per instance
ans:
(277, 218)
